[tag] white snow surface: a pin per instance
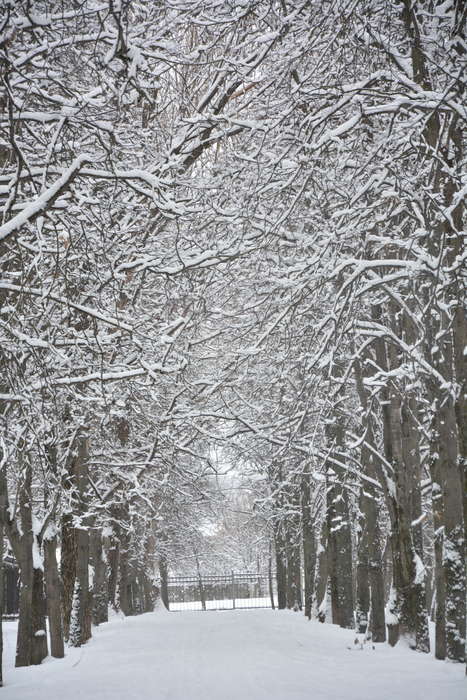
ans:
(231, 655)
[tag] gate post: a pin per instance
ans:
(233, 591)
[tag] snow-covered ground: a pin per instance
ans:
(231, 655)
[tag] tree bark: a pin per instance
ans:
(281, 566)
(453, 545)
(81, 613)
(149, 593)
(39, 630)
(322, 573)
(339, 538)
(52, 587)
(99, 594)
(124, 582)
(113, 558)
(67, 569)
(309, 546)
(444, 134)
(372, 553)
(362, 607)
(372, 568)
(270, 581)
(163, 571)
(24, 638)
(147, 573)
(294, 588)
(2, 584)
(408, 602)
(340, 558)
(440, 585)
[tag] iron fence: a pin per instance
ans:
(221, 591)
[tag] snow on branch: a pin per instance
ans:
(44, 200)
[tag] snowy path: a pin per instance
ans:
(243, 655)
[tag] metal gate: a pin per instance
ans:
(221, 592)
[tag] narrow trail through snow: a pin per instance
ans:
(233, 655)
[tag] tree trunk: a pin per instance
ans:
(123, 582)
(281, 566)
(409, 604)
(202, 595)
(113, 558)
(362, 608)
(446, 310)
(99, 593)
(2, 584)
(440, 585)
(294, 588)
(370, 536)
(67, 569)
(163, 571)
(340, 558)
(373, 566)
(373, 563)
(39, 631)
(52, 587)
(448, 511)
(80, 625)
(454, 545)
(149, 593)
(25, 561)
(455, 239)
(322, 573)
(408, 599)
(408, 570)
(270, 581)
(81, 614)
(339, 538)
(309, 546)
(378, 624)
(24, 638)
(411, 460)
(292, 531)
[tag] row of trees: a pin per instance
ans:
(234, 225)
